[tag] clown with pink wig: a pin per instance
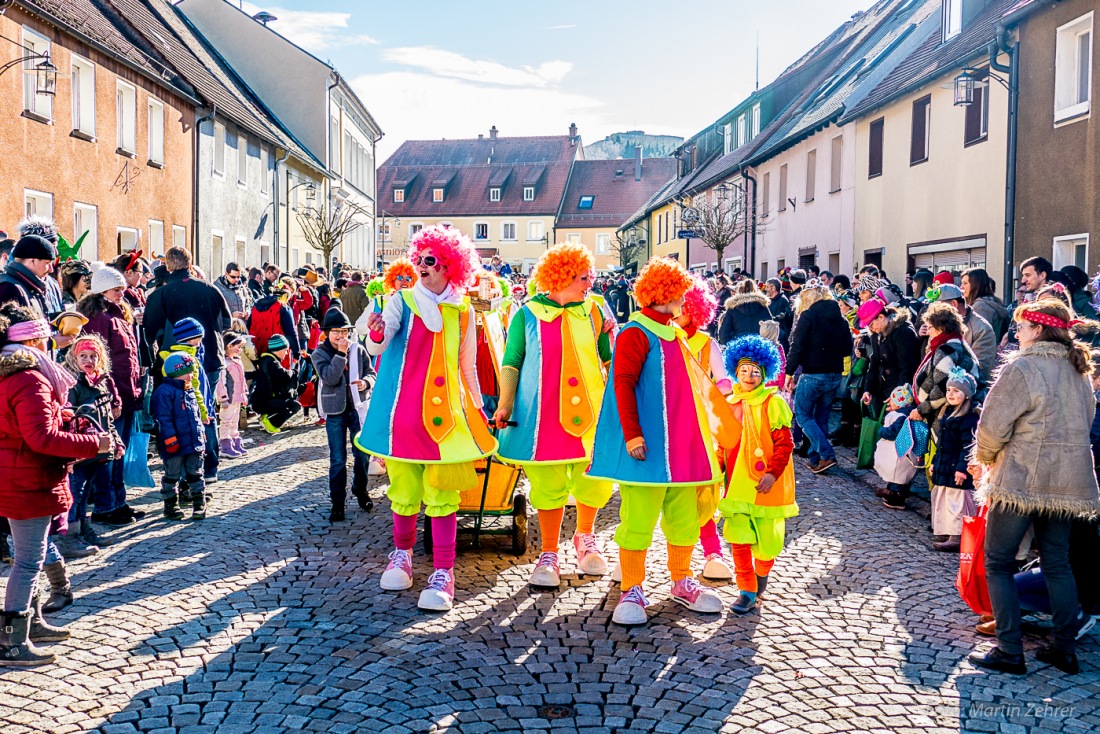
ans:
(425, 417)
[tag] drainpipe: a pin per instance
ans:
(1013, 70)
(195, 186)
(275, 202)
(751, 222)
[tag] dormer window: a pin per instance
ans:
(952, 18)
(494, 194)
(437, 196)
(399, 196)
(528, 193)
(586, 202)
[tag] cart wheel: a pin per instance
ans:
(519, 524)
(427, 535)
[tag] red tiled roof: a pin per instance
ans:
(615, 197)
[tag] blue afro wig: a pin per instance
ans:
(757, 350)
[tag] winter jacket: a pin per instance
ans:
(1087, 332)
(200, 383)
(236, 295)
(34, 448)
(618, 298)
(332, 373)
(256, 289)
(269, 317)
(983, 341)
(101, 400)
(995, 312)
(892, 468)
(821, 341)
(780, 310)
(930, 381)
(894, 357)
(180, 297)
(123, 349)
(743, 315)
(956, 438)
(1082, 305)
(176, 412)
(19, 284)
(354, 301)
(232, 387)
(1034, 432)
(272, 384)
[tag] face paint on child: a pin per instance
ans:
(749, 377)
(955, 396)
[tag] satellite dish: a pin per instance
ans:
(264, 17)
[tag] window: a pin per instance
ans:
(976, 128)
(219, 148)
(85, 220)
(156, 131)
(399, 196)
(37, 105)
(265, 171)
(536, 230)
(918, 142)
(1072, 250)
(415, 228)
(437, 196)
(952, 18)
(508, 231)
(742, 131)
(603, 244)
(783, 188)
(573, 239)
(755, 120)
(242, 160)
(494, 194)
(481, 230)
(1073, 69)
(295, 258)
(126, 117)
(727, 138)
(217, 244)
(179, 236)
(128, 239)
(766, 184)
(835, 164)
(586, 202)
(874, 148)
(333, 141)
(156, 237)
(241, 257)
(265, 252)
(811, 174)
(780, 264)
(528, 193)
(38, 202)
(83, 86)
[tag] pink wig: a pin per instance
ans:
(699, 303)
(454, 251)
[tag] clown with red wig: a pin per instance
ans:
(658, 394)
(552, 383)
(698, 312)
(425, 416)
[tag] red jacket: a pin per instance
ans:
(34, 450)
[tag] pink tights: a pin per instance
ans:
(444, 532)
(708, 537)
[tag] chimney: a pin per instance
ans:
(637, 163)
(493, 133)
(573, 133)
(480, 136)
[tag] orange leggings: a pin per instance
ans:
(746, 568)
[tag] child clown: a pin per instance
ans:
(760, 495)
(552, 382)
(425, 415)
(653, 438)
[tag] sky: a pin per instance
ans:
(428, 69)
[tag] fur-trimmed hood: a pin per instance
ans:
(741, 299)
(18, 362)
(901, 318)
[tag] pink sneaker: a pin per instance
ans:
(398, 574)
(631, 607)
(590, 561)
(547, 573)
(688, 592)
(439, 595)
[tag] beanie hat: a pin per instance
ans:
(179, 364)
(186, 329)
(869, 310)
(105, 278)
(944, 277)
(33, 247)
(798, 277)
(962, 380)
(277, 342)
(902, 395)
(335, 319)
(888, 295)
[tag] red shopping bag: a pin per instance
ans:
(971, 581)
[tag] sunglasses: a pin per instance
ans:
(407, 277)
(428, 261)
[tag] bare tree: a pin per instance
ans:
(326, 225)
(628, 245)
(721, 219)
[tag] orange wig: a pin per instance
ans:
(401, 267)
(559, 265)
(661, 281)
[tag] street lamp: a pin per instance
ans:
(44, 71)
(964, 88)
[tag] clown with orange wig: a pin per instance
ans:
(425, 416)
(552, 382)
(655, 439)
(399, 275)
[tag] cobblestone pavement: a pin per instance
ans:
(266, 618)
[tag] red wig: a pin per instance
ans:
(452, 249)
(661, 281)
(559, 265)
(699, 303)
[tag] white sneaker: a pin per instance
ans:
(547, 571)
(590, 561)
(716, 568)
(631, 608)
(398, 574)
(617, 573)
(439, 595)
(376, 467)
(697, 598)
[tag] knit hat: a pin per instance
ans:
(74, 267)
(870, 283)
(179, 364)
(335, 319)
(944, 277)
(33, 247)
(902, 395)
(187, 329)
(869, 310)
(104, 278)
(888, 295)
(962, 380)
(798, 277)
(277, 342)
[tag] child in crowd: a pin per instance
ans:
(232, 395)
(770, 331)
(187, 338)
(274, 390)
(181, 438)
(952, 483)
(896, 471)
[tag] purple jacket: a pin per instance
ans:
(122, 347)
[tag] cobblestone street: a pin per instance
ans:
(266, 618)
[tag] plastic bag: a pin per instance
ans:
(971, 581)
(868, 438)
(135, 462)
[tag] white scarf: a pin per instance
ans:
(429, 303)
(360, 404)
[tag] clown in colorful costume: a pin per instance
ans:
(657, 394)
(553, 361)
(425, 414)
(760, 495)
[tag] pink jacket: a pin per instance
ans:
(232, 387)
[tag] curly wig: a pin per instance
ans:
(559, 265)
(661, 281)
(376, 287)
(755, 349)
(699, 303)
(454, 251)
(399, 267)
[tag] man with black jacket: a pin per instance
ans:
(780, 308)
(819, 344)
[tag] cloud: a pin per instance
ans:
(315, 31)
(559, 27)
(443, 63)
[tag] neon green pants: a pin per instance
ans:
(764, 534)
(551, 485)
(641, 506)
(408, 490)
